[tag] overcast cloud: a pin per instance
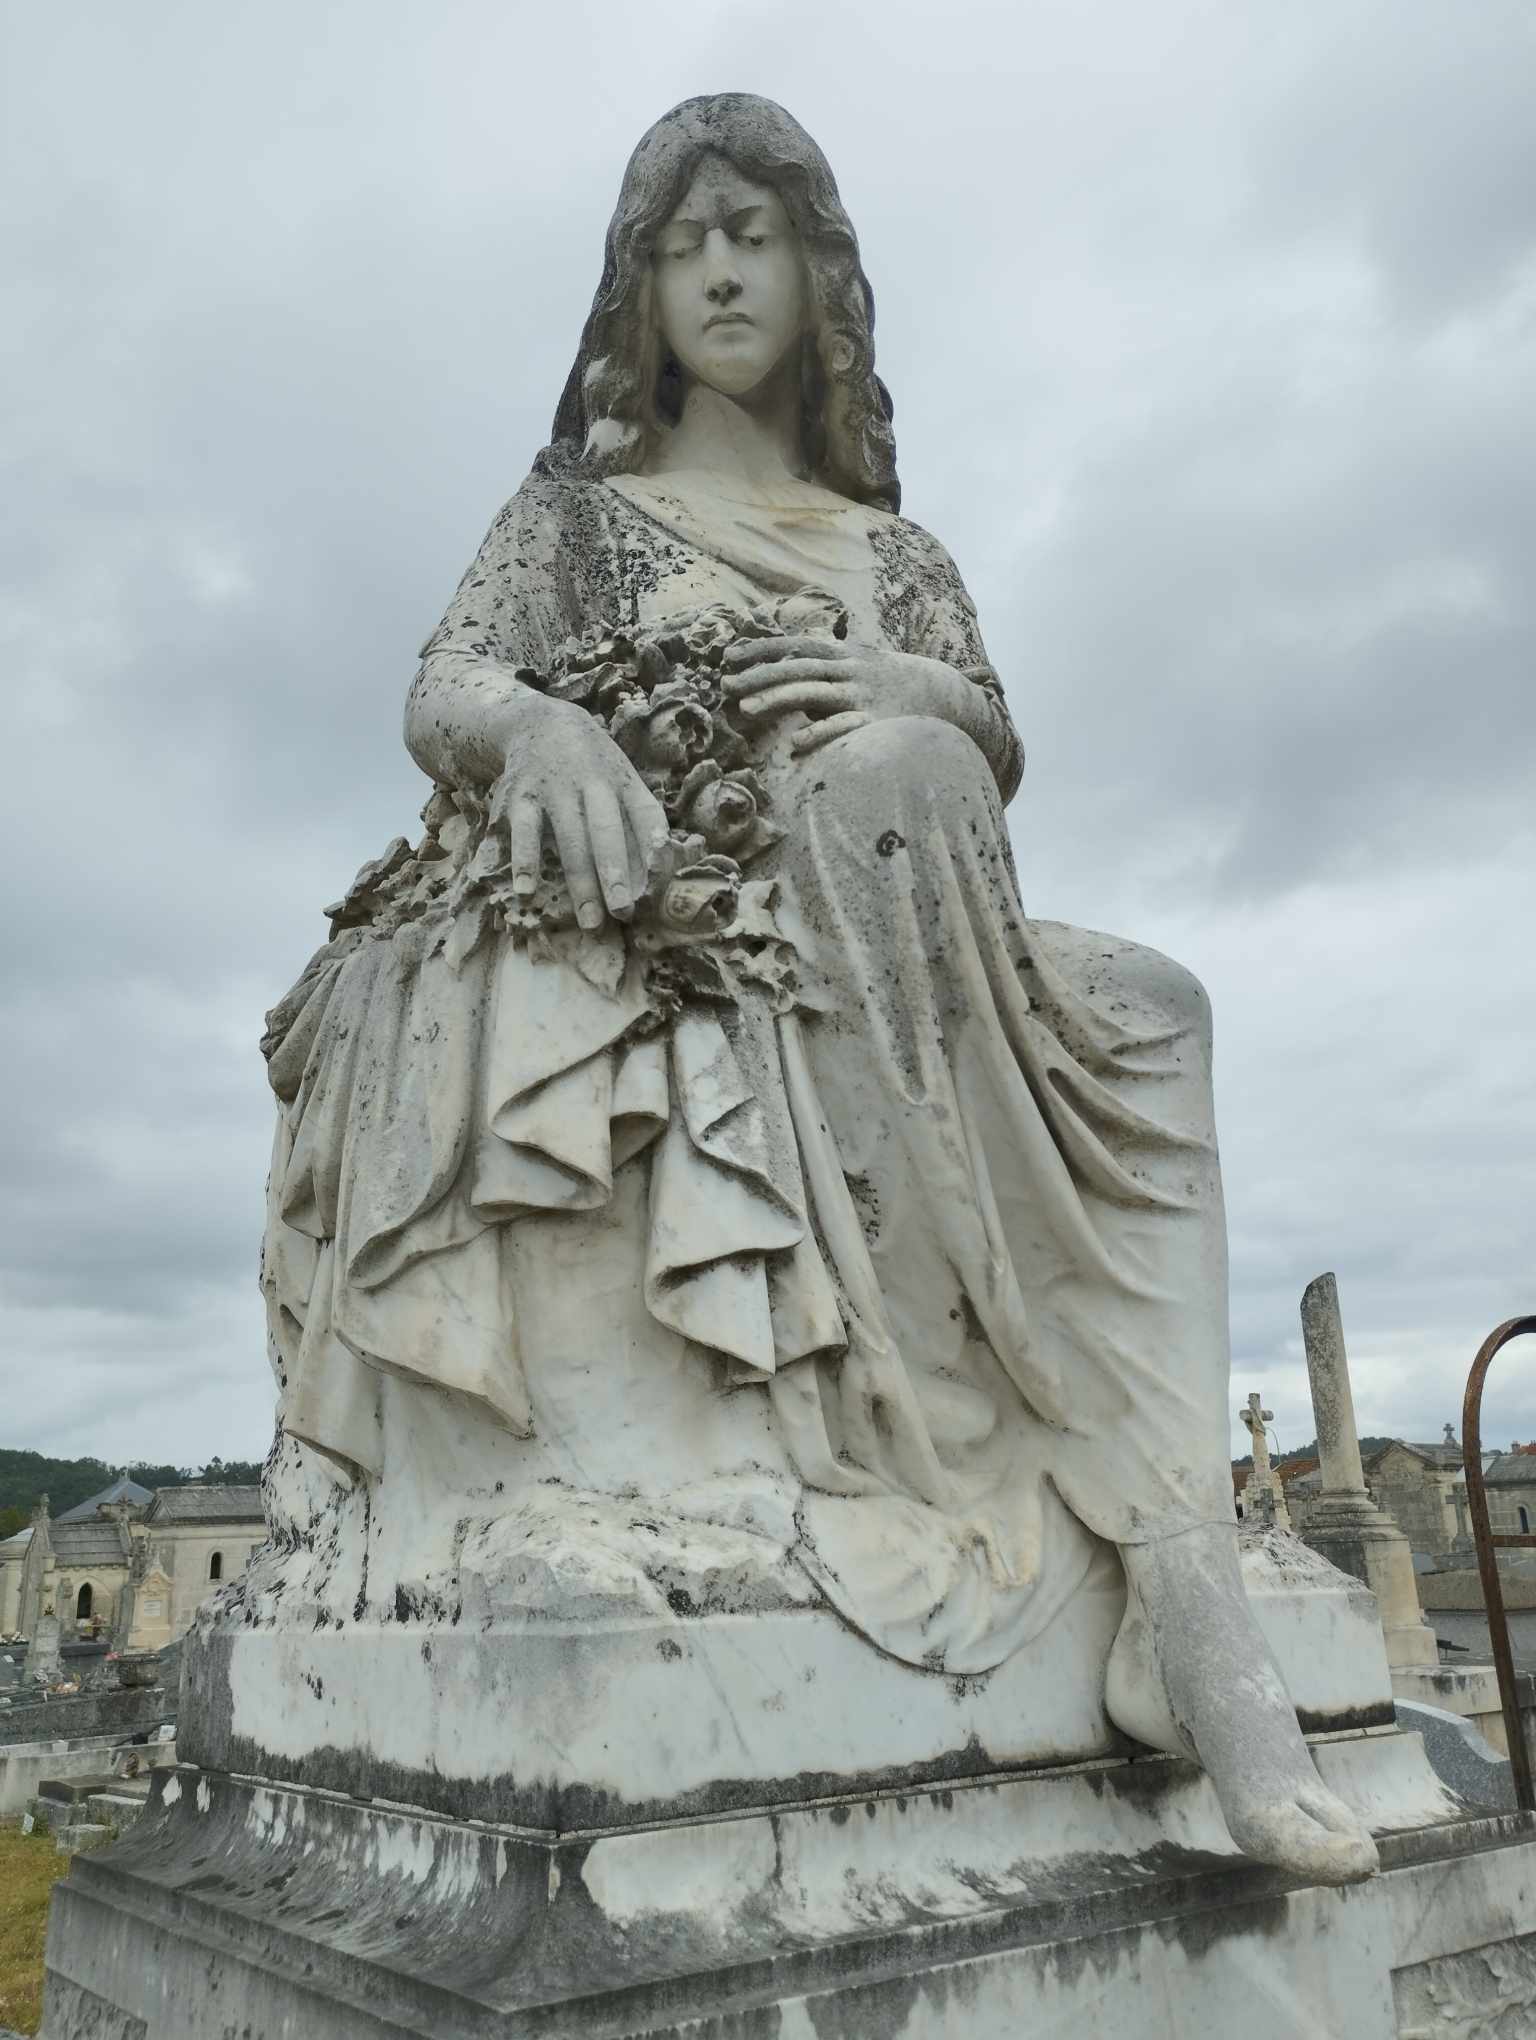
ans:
(1210, 329)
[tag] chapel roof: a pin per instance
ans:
(205, 1505)
(1440, 1456)
(121, 1490)
(1511, 1469)
(100, 1543)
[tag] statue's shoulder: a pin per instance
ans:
(913, 550)
(553, 508)
(557, 528)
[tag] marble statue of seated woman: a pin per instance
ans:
(692, 1127)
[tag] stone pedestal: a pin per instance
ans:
(1352, 1533)
(1101, 1897)
(558, 1723)
(744, 1826)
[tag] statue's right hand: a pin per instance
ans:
(564, 773)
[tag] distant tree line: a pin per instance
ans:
(1367, 1447)
(26, 1475)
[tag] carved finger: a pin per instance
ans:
(824, 696)
(569, 821)
(647, 822)
(647, 825)
(815, 734)
(742, 686)
(610, 848)
(525, 842)
(769, 651)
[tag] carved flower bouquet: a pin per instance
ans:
(703, 927)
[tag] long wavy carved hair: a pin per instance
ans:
(626, 388)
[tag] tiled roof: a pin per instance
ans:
(205, 1505)
(1511, 1469)
(123, 1490)
(1442, 1454)
(98, 1543)
(1440, 1457)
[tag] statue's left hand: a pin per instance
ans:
(840, 686)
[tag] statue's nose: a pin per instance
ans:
(723, 279)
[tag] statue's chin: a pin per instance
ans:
(735, 372)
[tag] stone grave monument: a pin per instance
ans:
(1345, 1524)
(1264, 1496)
(752, 1543)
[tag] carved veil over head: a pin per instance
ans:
(625, 387)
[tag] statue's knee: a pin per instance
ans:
(1172, 990)
(1115, 971)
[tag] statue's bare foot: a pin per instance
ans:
(1310, 1833)
(1192, 1674)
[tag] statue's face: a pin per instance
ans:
(729, 283)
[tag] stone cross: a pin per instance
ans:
(1254, 1419)
(1264, 1496)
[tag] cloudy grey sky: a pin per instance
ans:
(1210, 329)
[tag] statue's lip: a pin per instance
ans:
(727, 319)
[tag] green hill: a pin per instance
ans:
(26, 1475)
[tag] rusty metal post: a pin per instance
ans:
(1488, 1549)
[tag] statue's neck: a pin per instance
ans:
(753, 439)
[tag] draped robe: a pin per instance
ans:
(938, 1254)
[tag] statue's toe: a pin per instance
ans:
(1312, 1835)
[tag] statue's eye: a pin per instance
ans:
(755, 240)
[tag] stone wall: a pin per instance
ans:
(1417, 1498)
(120, 1711)
(188, 1553)
(1464, 1589)
(1507, 1500)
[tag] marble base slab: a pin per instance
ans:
(589, 1723)
(1103, 1897)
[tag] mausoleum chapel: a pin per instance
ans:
(127, 1564)
(750, 1548)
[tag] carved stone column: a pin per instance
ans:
(1344, 1524)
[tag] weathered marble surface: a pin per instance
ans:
(1101, 1897)
(613, 1718)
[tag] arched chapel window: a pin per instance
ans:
(1525, 1521)
(83, 1603)
(216, 1566)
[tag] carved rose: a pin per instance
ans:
(726, 809)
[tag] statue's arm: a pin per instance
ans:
(940, 622)
(476, 716)
(462, 716)
(467, 705)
